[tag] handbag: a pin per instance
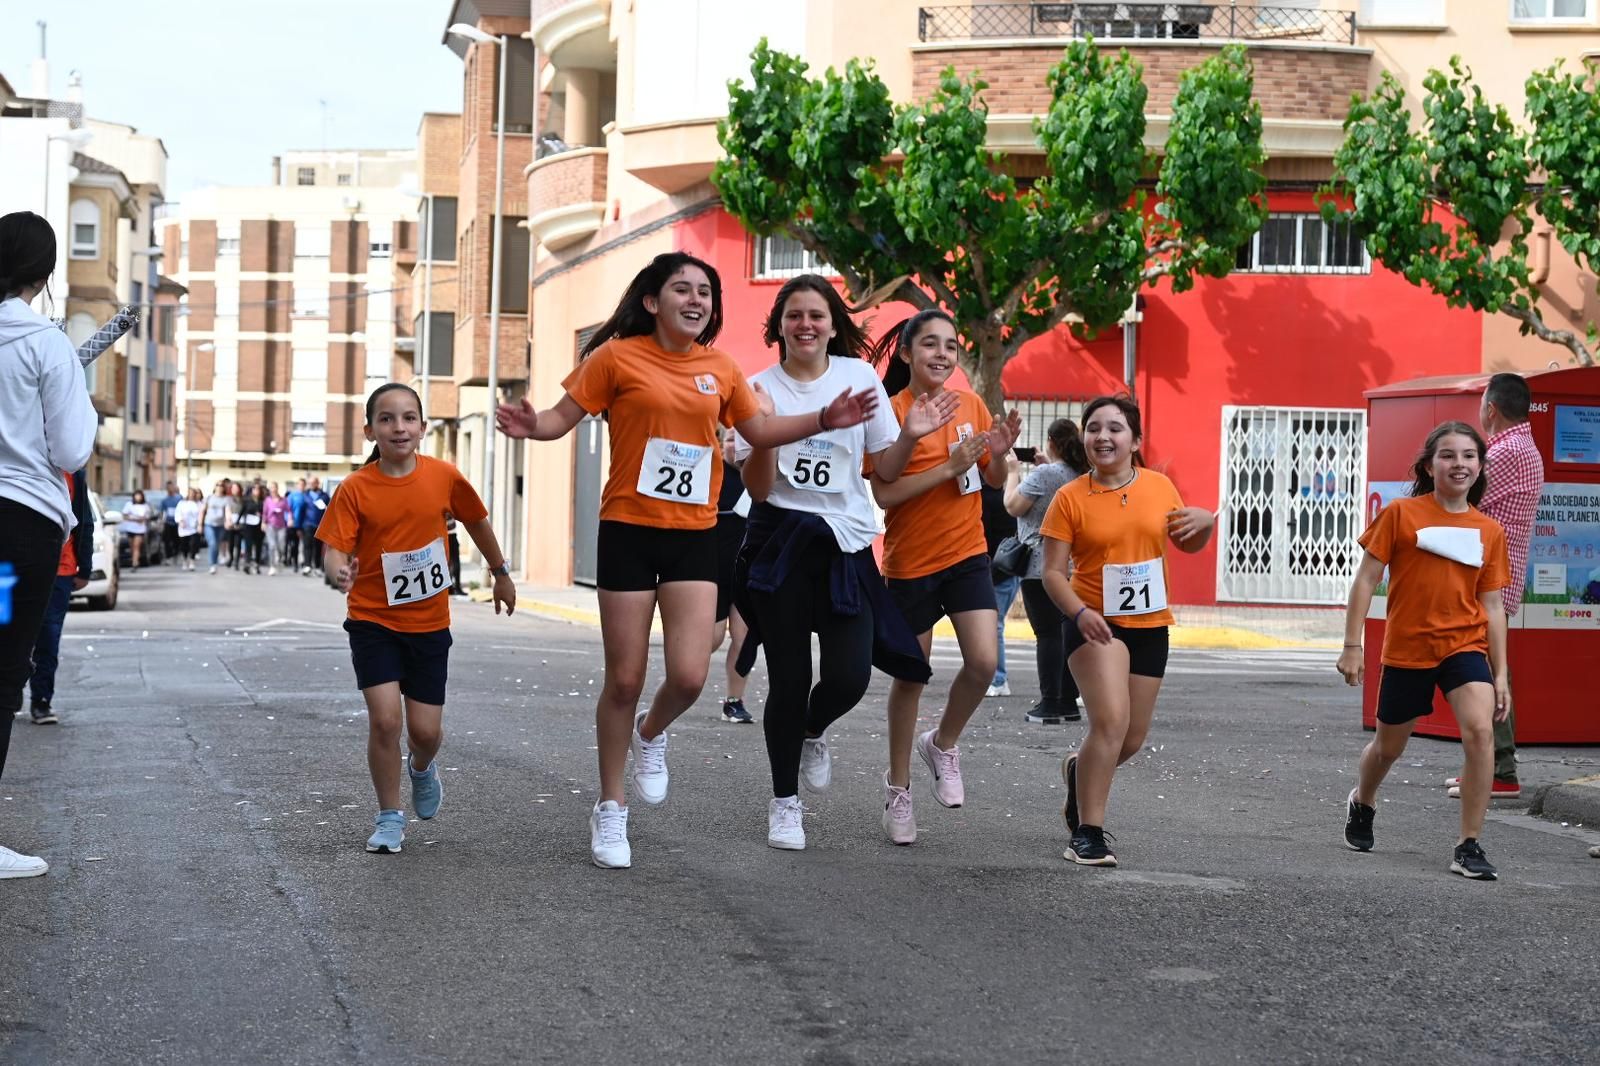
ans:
(1011, 558)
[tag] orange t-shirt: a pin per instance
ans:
(1433, 609)
(68, 566)
(664, 408)
(1103, 531)
(394, 526)
(942, 526)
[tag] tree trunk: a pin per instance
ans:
(983, 372)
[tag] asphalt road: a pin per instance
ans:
(204, 803)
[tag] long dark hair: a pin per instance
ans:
(897, 342)
(27, 252)
(372, 405)
(633, 319)
(1130, 414)
(848, 338)
(1068, 444)
(1422, 469)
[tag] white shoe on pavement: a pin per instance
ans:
(16, 864)
(213, 569)
(945, 766)
(272, 571)
(649, 765)
(784, 830)
(898, 821)
(1002, 689)
(816, 765)
(608, 836)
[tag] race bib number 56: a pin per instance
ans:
(676, 472)
(818, 464)
(1134, 588)
(416, 575)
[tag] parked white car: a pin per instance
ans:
(105, 574)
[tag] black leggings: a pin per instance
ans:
(803, 605)
(31, 543)
(1050, 647)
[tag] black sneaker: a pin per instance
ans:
(1073, 711)
(1470, 861)
(41, 713)
(1047, 712)
(733, 711)
(1358, 825)
(1069, 809)
(1088, 847)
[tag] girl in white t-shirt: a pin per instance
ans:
(135, 525)
(187, 515)
(807, 564)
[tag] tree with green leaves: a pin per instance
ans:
(907, 202)
(1450, 205)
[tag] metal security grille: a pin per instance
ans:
(1292, 485)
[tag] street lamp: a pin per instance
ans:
(188, 411)
(427, 287)
(472, 33)
(72, 139)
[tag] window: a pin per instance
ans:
(444, 227)
(227, 301)
(136, 296)
(521, 84)
(300, 430)
(310, 301)
(342, 179)
(85, 230)
(135, 400)
(785, 257)
(514, 266)
(309, 364)
(227, 247)
(441, 343)
(166, 325)
(1401, 13)
(311, 242)
(380, 240)
(305, 176)
(1303, 244)
(1553, 12)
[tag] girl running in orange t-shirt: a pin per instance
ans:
(935, 558)
(665, 392)
(1112, 525)
(385, 536)
(1445, 628)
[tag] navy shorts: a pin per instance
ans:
(633, 558)
(1406, 693)
(1147, 647)
(965, 586)
(419, 661)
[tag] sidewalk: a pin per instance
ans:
(1228, 628)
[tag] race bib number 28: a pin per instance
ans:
(1134, 588)
(416, 575)
(676, 472)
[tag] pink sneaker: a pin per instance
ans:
(897, 818)
(945, 766)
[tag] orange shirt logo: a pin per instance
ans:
(706, 383)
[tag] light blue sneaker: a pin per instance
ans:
(426, 790)
(390, 834)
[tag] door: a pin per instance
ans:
(586, 480)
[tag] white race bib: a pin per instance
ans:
(252, 520)
(972, 480)
(1134, 588)
(676, 472)
(818, 464)
(416, 575)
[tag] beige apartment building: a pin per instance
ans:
(288, 321)
(615, 169)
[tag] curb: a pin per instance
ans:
(1210, 638)
(1577, 801)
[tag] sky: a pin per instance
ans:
(228, 84)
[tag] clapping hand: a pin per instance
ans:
(929, 413)
(963, 456)
(850, 408)
(764, 399)
(1003, 435)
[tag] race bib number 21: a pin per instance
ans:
(1134, 588)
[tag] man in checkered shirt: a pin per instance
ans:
(1516, 476)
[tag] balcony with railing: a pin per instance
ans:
(1306, 60)
(1137, 22)
(566, 196)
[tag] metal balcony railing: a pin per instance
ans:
(1136, 21)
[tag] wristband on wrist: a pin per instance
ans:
(1085, 607)
(1352, 645)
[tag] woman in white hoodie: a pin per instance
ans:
(49, 428)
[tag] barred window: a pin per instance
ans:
(784, 257)
(1302, 243)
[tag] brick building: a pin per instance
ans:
(288, 322)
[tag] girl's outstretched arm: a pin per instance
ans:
(521, 421)
(482, 534)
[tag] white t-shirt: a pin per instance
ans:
(187, 515)
(831, 460)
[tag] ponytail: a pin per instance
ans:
(894, 345)
(1068, 444)
(373, 457)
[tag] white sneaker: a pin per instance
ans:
(649, 765)
(1002, 689)
(272, 571)
(16, 864)
(608, 836)
(784, 830)
(898, 821)
(816, 765)
(213, 569)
